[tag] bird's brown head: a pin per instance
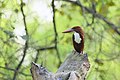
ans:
(77, 29)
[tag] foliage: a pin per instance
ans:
(101, 38)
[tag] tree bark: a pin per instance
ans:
(75, 67)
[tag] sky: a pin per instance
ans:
(40, 8)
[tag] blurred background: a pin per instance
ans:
(31, 30)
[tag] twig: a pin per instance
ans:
(14, 70)
(56, 35)
(42, 49)
(26, 43)
(37, 55)
(5, 42)
(9, 33)
(46, 48)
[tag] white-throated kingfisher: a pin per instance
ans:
(78, 38)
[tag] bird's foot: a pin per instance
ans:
(74, 51)
(81, 52)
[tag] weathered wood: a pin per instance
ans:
(75, 67)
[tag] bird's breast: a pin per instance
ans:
(77, 37)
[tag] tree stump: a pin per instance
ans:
(75, 67)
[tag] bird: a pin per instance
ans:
(77, 38)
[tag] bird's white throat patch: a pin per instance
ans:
(77, 37)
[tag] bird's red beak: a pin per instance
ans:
(67, 31)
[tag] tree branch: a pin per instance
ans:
(95, 14)
(46, 48)
(42, 49)
(56, 35)
(10, 69)
(26, 43)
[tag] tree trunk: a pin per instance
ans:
(75, 67)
